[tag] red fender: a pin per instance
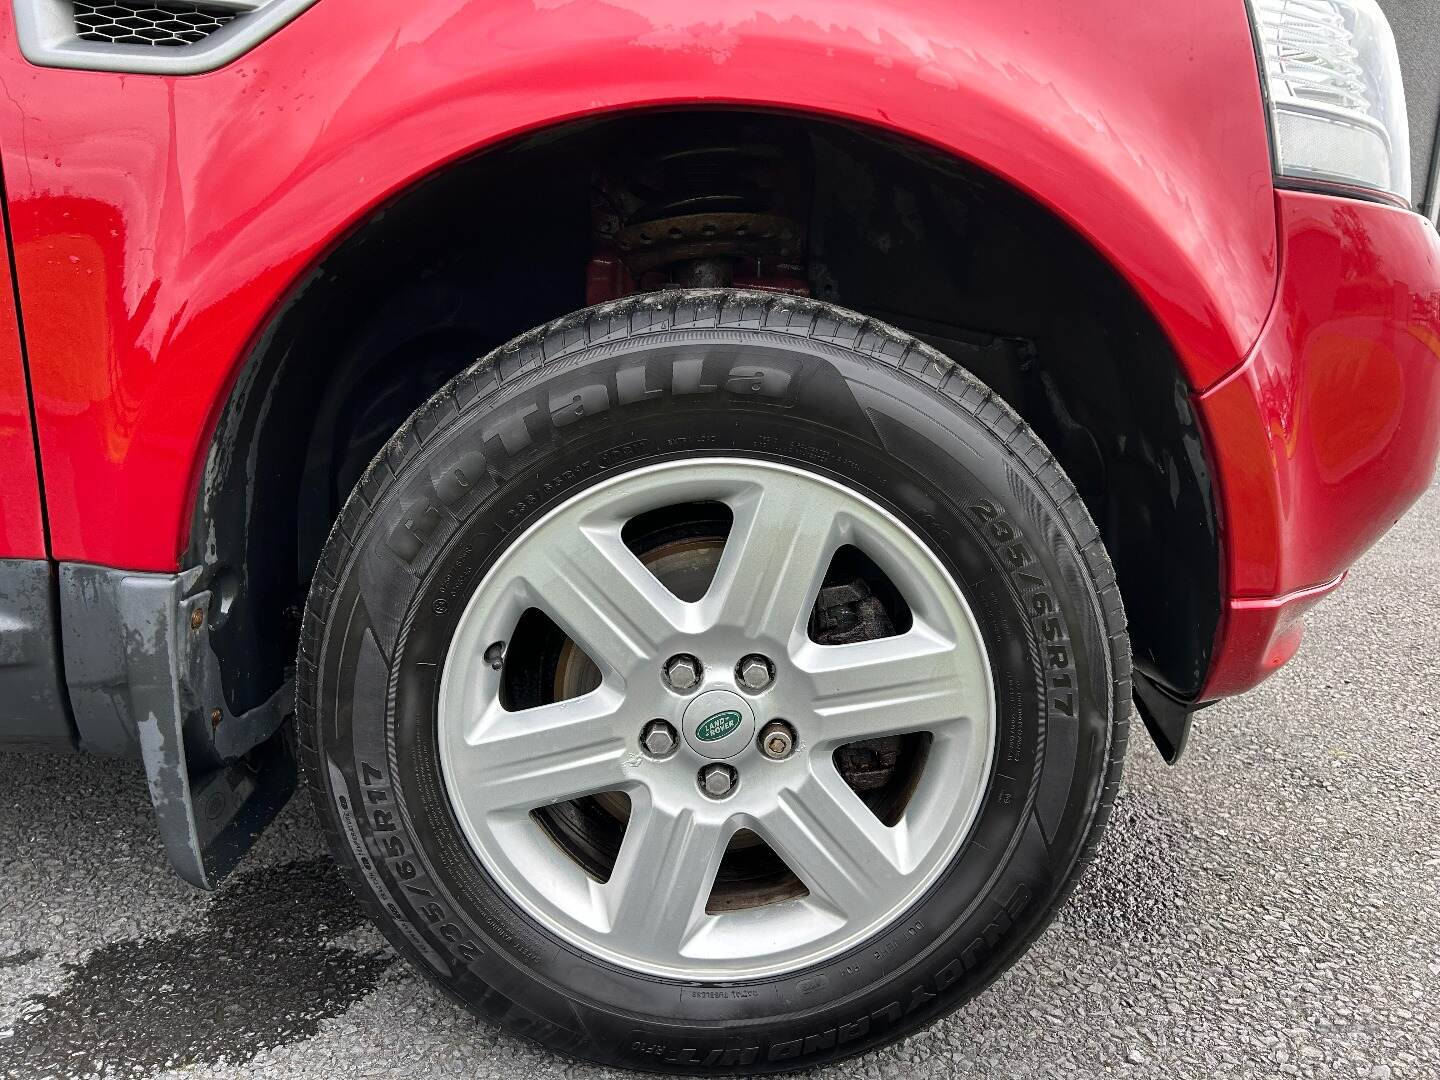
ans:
(157, 233)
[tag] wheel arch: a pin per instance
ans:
(266, 462)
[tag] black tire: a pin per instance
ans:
(782, 378)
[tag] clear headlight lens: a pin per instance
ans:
(1332, 77)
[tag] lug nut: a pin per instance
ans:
(658, 738)
(682, 673)
(718, 780)
(777, 740)
(754, 673)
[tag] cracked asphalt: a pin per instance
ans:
(1267, 908)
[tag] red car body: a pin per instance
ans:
(159, 223)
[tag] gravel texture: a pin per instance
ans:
(1268, 908)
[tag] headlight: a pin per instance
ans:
(1332, 77)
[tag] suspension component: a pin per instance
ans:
(701, 217)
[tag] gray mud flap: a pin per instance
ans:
(142, 678)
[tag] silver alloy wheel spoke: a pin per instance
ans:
(779, 548)
(889, 686)
(834, 843)
(664, 871)
(535, 757)
(650, 913)
(600, 594)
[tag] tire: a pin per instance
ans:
(665, 380)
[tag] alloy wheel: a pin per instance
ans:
(719, 670)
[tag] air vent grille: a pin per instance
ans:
(156, 23)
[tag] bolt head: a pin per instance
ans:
(683, 673)
(717, 780)
(658, 738)
(777, 741)
(755, 673)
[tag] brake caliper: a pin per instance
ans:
(845, 614)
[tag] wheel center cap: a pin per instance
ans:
(718, 724)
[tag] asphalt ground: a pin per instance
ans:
(1267, 908)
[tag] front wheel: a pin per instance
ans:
(713, 681)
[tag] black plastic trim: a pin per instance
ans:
(1167, 718)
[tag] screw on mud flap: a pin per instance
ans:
(682, 672)
(777, 740)
(718, 780)
(658, 738)
(197, 618)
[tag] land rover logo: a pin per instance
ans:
(716, 727)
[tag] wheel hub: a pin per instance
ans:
(718, 724)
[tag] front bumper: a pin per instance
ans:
(1330, 430)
